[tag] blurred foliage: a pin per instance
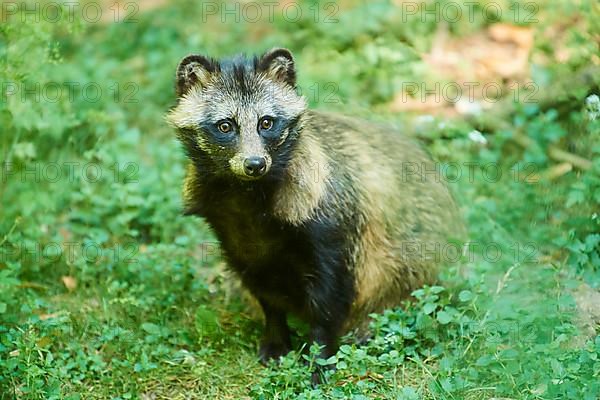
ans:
(106, 291)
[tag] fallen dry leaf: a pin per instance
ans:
(44, 342)
(521, 35)
(44, 317)
(69, 282)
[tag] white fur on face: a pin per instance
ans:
(224, 98)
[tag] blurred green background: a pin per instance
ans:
(107, 292)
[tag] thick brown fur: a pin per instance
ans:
(350, 217)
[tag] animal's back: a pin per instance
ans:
(403, 210)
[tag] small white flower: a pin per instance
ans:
(477, 137)
(592, 105)
(465, 107)
(424, 119)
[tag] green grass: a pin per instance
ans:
(107, 292)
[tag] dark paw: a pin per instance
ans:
(363, 337)
(272, 351)
(316, 378)
(318, 375)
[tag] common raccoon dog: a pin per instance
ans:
(326, 217)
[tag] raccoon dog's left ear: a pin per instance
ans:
(278, 64)
(193, 70)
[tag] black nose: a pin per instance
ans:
(255, 166)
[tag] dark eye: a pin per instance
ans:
(225, 126)
(266, 123)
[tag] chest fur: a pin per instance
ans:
(274, 259)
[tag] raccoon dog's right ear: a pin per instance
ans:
(193, 70)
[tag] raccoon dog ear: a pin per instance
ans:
(194, 70)
(278, 64)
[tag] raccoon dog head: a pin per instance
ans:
(237, 115)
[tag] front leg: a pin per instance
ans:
(328, 321)
(329, 286)
(330, 299)
(276, 337)
(325, 336)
